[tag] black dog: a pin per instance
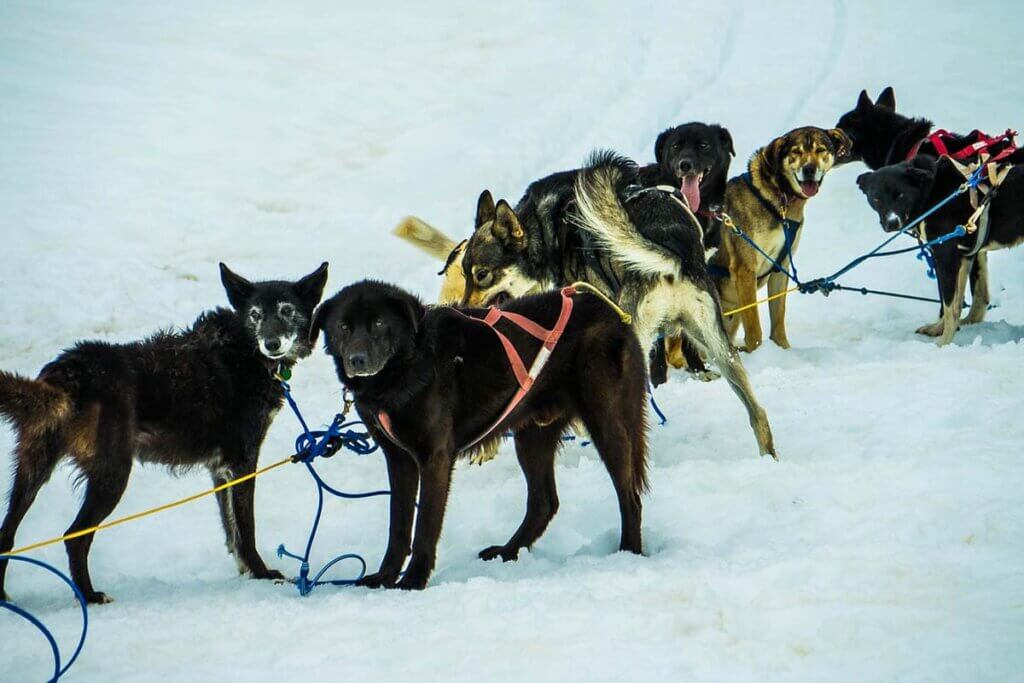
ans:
(882, 137)
(901, 192)
(694, 157)
(428, 383)
(202, 397)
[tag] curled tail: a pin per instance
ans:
(600, 186)
(32, 405)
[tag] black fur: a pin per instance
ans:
(442, 379)
(689, 148)
(201, 397)
(901, 192)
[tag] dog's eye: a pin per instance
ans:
(899, 195)
(255, 315)
(287, 310)
(482, 274)
(378, 323)
(705, 145)
(343, 327)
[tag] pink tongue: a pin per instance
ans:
(691, 190)
(809, 188)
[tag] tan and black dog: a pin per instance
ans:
(766, 203)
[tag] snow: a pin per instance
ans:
(143, 143)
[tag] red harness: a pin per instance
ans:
(979, 142)
(524, 377)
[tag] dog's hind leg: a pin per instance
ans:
(34, 463)
(535, 447)
(702, 320)
(227, 516)
(979, 290)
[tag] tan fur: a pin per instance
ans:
(773, 170)
(434, 242)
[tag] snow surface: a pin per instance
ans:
(141, 143)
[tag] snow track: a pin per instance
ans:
(141, 144)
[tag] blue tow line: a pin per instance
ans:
(310, 445)
(58, 670)
(827, 285)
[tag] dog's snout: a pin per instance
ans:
(685, 165)
(892, 221)
(358, 361)
(809, 172)
(273, 345)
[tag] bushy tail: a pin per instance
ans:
(32, 405)
(600, 186)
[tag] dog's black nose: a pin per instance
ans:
(273, 345)
(358, 361)
(685, 166)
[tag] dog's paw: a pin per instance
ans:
(269, 574)
(706, 375)
(506, 553)
(933, 330)
(780, 341)
(98, 598)
(412, 581)
(750, 345)
(377, 580)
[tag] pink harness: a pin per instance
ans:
(524, 377)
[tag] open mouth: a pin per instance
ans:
(809, 186)
(689, 185)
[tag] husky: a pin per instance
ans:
(433, 384)
(642, 247)
(767, 203)
(900, 192)
(201, 397)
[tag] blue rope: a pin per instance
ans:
(58, 670)
(310, 445)
(789, 228)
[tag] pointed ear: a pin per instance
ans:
(507, 227)
(864, 101)
(887, 99)
(659, 145)
(237, 287)
(317, 323)
(726, 137)
(919, 176)
(841, 142)
(311, 287)
(484, 209)
(862, 181)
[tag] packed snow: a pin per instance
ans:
(141, 143)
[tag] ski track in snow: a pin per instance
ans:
(141, 144)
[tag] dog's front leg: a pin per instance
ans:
(951, 270)
(777, 283)
(979, 290)
(746, 293)
(435, 479)
(404, 477)
(244, 520)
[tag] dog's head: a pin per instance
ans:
(276, 313)
(870, 126)
(895, 191)
(800, 159)
(366, 325)
(693, 153)
(492, 257)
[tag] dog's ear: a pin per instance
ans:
(311, 287)
(925, 162)
(659, 145)
(772, 153)
(412, 310)
(841, 142)
(920, 176)
(864, 101)
(726, 137)
(863, 180)
(317, 323)
(507, 228)
(484, 209)
(237, 287)
(887, 99)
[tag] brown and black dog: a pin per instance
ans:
(429, 382)
(770, 196)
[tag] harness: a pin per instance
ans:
(977, 142)
(790, 228)
(524, 377)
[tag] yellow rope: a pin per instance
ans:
(760, 301)
(151, 511)
(587, 287)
